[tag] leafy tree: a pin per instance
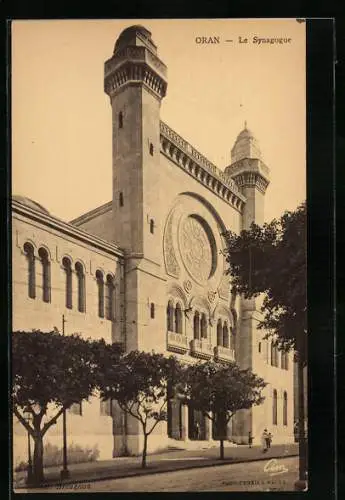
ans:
(141, 385)
(271, 260)
(50, 372)
(219, 390)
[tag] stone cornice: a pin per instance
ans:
(250, 172)
(66, 228)
(198, 166)
(252, 179)
(135, 65)
(96, 212)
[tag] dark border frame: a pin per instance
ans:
(321, 291)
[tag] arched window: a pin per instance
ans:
(226, 336)
(120, 120)
(100, 287)
(152, 310)
(109, 298)
(275, 407)
(68, 285)
(219, 333)
(196, 325)
(152, 226)
(274, 354)
(285, 416)
(203, 324)
(30, 257)
(178, 318)
(81, 286)
(284, 360)
(170, 316)
(45, 267)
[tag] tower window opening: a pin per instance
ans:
(120, 120)
(151, 149)
(152, 226)
(121, 199)
(152, 310)
(259, 347)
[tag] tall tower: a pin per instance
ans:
(252, 176)
(135, 80)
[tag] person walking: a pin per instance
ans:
(269, 441)
(250, 439)
(197, 430)
(264, 440)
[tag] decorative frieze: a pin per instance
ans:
(224, 353)
(201, 349)
(177, 342)
(198, 166)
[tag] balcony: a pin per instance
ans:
(177, 342)
(224, 353)
(201, 349)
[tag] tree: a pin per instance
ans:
(219, 390)
(271, 260)
(141, 385)
(50, 372)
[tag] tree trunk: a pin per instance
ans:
(222, 449)
(143, 461)
(38, 475)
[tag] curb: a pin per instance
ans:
(148, 471)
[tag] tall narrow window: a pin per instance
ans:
(274, 354)
(100, 287)
(226, 336)
(151, 149)
(45, 267)
(81, 286)
(259, 347)
(203, 324)
(178, 318)
(120, 120)
(30, 257)
(152, 226)
(285, 415)
(121, 199)
(275, 408)
(219, 333)
(152, 310)
(196, 325)
(68, 284)
(170, 317)
(76, 409)
(106, 408)
(109, 301)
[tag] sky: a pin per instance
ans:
(61, 117)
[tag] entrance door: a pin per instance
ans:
(196, 424)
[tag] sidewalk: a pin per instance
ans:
(163, 462)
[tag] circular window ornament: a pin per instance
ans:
(198, 248)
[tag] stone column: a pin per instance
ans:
(208, 429)
(184, 417)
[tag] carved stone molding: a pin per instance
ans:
(171, 265)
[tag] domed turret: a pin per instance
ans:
(136, 35)
(246, 146)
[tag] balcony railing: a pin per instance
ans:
(201, 348)
(177, 342)
(224, 353)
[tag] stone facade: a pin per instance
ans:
(160, 241)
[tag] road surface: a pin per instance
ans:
(270, 475)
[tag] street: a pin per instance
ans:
(270, 475)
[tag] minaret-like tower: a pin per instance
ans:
(250, 173)
(135, 80)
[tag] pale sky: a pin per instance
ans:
(61, 117)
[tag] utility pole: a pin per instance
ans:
(64, 474)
